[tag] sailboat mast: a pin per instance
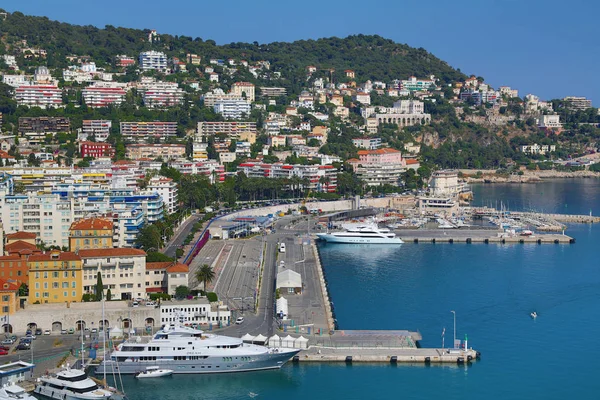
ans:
(103, 343)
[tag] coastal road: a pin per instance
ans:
(180, 234)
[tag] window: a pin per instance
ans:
(74, 294)
(5, 309)
(37, 275)
(45, 285)
(65, 294)
(73, 284)
(37, 295)
(65, 274)
(37, 285)
(65, 285)
(55, 274)
(5, 298)
(54, 285)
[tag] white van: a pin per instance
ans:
(282, 247)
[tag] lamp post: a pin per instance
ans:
(454, 342)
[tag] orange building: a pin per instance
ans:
(27, 237)
(14, 268)
(9, 297)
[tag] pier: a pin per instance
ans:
(386, 355)
(478, 236)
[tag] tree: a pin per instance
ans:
(205, 275)
(108, 295)
(155, 256)
(181, 292)
(23, 290)
(99, 287)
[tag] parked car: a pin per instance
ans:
(63, 332)
(30, 337)
(23, 346)
(94, 330)
(38, 332)
(150, 304)
(7, 342)
(3, 352)
(135, 304)
(47, 332)
(28, 332)
(239, 321)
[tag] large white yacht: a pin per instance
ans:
(191, 351)
(72, 384)
(369, 234)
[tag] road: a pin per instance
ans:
(46, 351)
(180, 234)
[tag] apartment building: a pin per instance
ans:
(210, 99)
(321, 178)
(14, 268)
(369, 143)
(577, 103)
(153, 60)
(153, 151)
(272, 91)
(55, 277)
(141, 131)
(96, 130)
(98, 96)
(44, 125)
(46, 215)
(413, 84)
(96, 150)
(233, 109)
(209, 168)
(42, 96)
(380, 156)
(91, 233)
(164, 277)
(122, 270)
(199, 149)
(167, 189)
(162, 94)
(244, 90)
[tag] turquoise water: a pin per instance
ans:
(492, 288)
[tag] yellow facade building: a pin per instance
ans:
(55, 277)
(9, 300)
(91, 233)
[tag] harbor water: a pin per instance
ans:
(492, 288)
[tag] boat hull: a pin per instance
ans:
(335, 239)
(210, 365)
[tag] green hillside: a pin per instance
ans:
(372, 57)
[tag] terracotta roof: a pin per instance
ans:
(21, 235)
(12, 257)
(47, 256)
(91, 224)
(19, 245)
(114, 252)
(411, 161)
(158, 265)
(378, 151)
(6, 285)
(169, 266)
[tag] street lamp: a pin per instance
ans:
(454, 342)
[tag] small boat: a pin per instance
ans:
(14, 392)
(526, 232)
(154, 372)
(533, 315)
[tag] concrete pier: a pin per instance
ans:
(386, 355)
(478, 236)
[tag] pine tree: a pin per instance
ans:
(99, 287)
(108, 295)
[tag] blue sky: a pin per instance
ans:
(549, 48)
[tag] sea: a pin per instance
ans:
(492, 288)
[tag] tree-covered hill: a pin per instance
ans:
(371, 57)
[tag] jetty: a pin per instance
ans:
(479, 236)
(387, 355)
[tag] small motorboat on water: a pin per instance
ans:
(533, 315)
(154, 372)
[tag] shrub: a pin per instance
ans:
(212, 297)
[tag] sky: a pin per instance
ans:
(548, 48)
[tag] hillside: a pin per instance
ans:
(372, 57)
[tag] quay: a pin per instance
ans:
(386, 355)
(478, 236)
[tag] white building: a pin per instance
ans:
(408, 107)
(95, 96)
(123, 271)
(199, 311)
(538, 149)
(42, 96)
(98, 128)
(162, 94)
(165, 277)
(233, 109)
(369, 143)
(550, 121)
(445, 183)
(16, 80)
(150, 60)
(46, 215)
(244, 90)
(167, 189)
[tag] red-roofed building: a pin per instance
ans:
(55, 277)
(91, 233)
(14, 268)
(165, 277)
(380, 156)
(320, 178)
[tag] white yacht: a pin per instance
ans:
(187, 350)
(14, 392)
(369, 234)
(72, 384)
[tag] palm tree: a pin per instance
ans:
(205, 274)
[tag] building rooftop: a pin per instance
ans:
(114, 252)
(21, 235)
(55, 256)
(93, 223)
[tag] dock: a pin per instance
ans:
(478, 236)
(387, 355)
